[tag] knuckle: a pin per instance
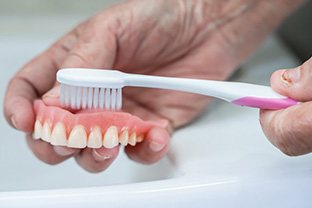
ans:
(63, 46)
(81, 59)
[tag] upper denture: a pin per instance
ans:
(88, 128)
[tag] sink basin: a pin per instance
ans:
(221, 160)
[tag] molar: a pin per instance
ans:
(124, 137)
(58, 136)
(95, 138)
(77, 137)
(46, 132)
(132, 139)
(111, 137)
(37, 130)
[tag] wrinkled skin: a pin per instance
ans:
(290, 129)
(200, 39)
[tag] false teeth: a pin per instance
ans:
(46, 132)
(111, 137)
(124, 137)
(77, 137)
(58, 136)
(95, 138)
(132, 139)
(37, 130)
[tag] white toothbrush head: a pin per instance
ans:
(90, 88)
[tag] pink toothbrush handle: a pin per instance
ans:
(265, 103)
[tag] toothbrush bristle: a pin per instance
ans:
(90, 97)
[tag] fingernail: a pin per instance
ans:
(63, 151)
(291, 76)
(156, 147)
(100, 155)
(13, 121)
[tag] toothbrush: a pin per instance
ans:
(96, 88)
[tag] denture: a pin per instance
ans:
(88, 128)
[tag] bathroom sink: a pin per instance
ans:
(220, 160)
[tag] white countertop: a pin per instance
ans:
(222, 159)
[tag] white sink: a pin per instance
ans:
(221, 160)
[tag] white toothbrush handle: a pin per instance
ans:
(238, 93)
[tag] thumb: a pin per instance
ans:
(294, 83)
(290, 129)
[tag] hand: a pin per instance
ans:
(168, 37)
(290, 129)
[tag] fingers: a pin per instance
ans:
(49, 154)
(153, 148)
(18, 106)
(294, 83)
(290, 129)
(96, 160)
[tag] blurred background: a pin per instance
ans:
(296, 32)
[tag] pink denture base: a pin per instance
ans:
(265, 103)
(91, 118)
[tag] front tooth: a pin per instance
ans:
(58, 136)
(46, 132)
(37, 130)
(77, 137)
(95, 138)
(111, 137)
(124, 137)
(140, 138)
(132, 139)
